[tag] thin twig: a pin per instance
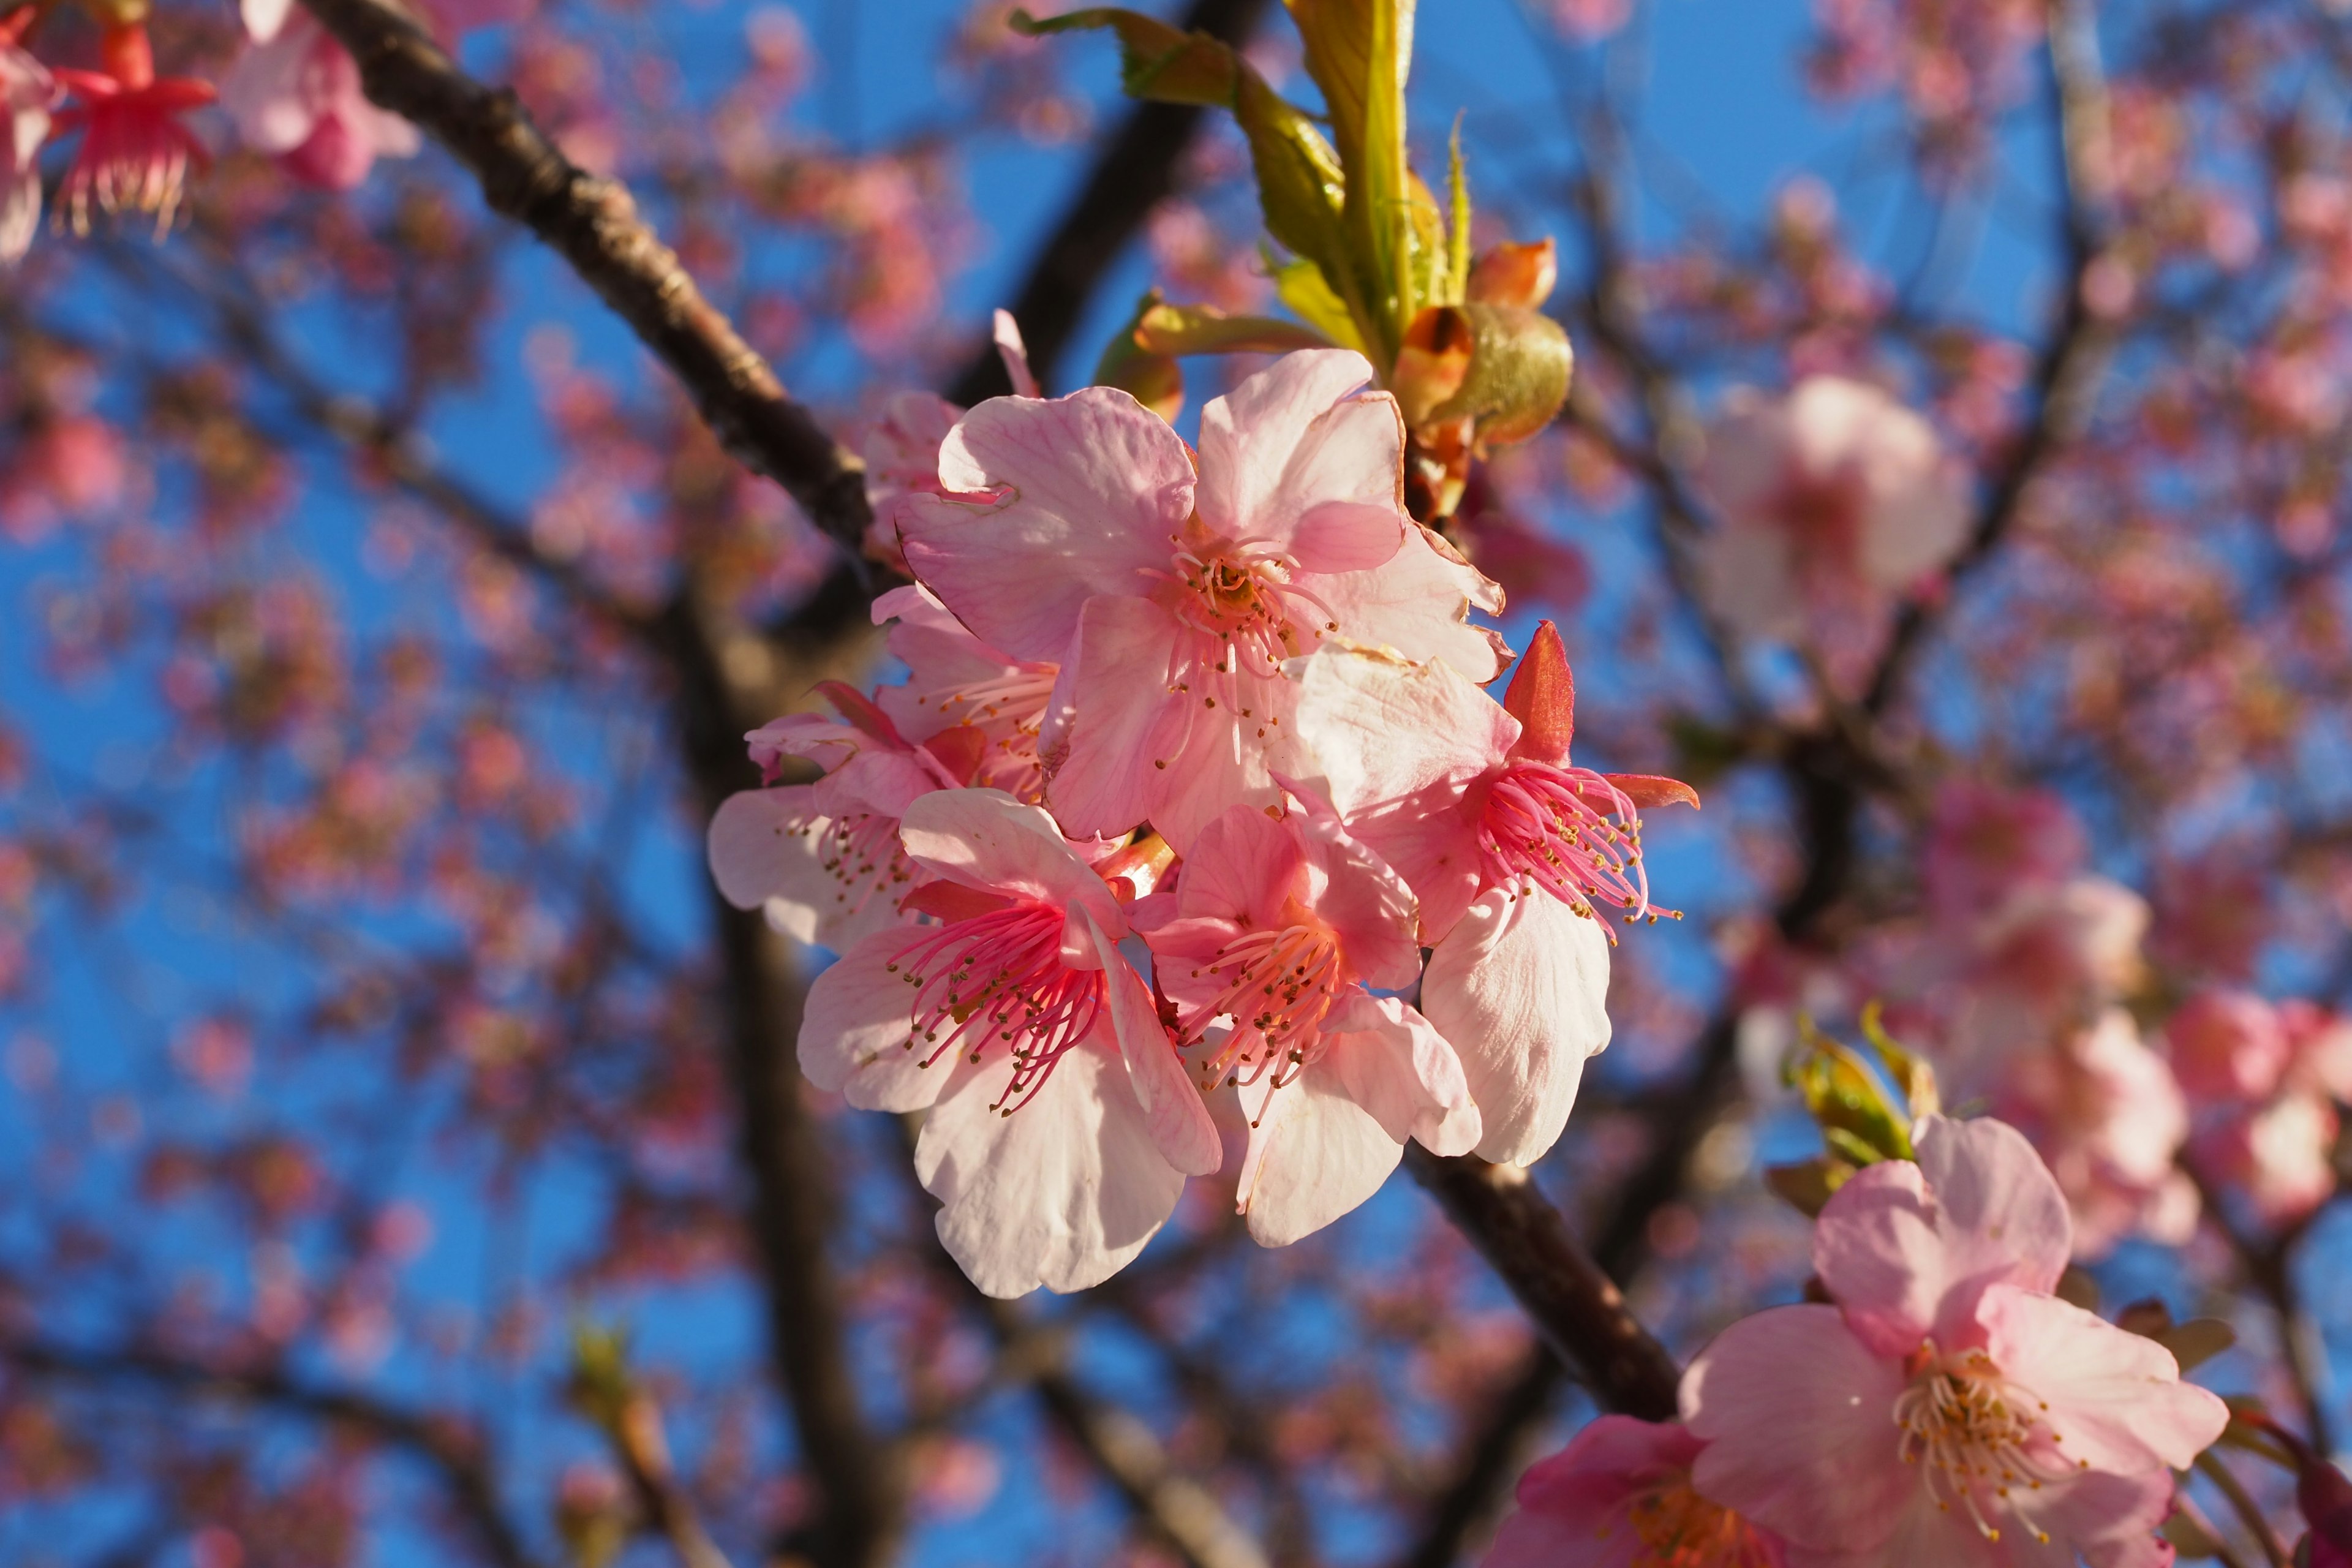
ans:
(443, 1446)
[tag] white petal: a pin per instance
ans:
(1063, 1193)
(857, 1033)
(1521, 989)
(1179, 1117)
(1314, 1154)
(1399, 1067)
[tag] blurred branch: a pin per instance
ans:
(593, 223)
(2074, 358)
(2269, 1267)
(860, 1516)
(604, 1391)
(405, 459)
(1117, 1442)
(1135, 172)
(1576, 1306)
(442, 1445)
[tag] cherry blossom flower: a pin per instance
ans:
(294, 93)
(2107, 1116)
(1508, 846)
(1832, 499)
(1170, 595)
(825, 859)
(1620, 1496)
(2227, 1046)
(1061, 1122)
(1277, 933)
(956, 681)
(27, 93)
(135, 154)
(2266, 1080)
(2024, 1430)
(902, 448)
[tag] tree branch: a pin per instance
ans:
(440, 1444)
(593, 223)
(1576, 1306)
(1134, 174)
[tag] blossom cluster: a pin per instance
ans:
(1939, 1403)
(1190, 767)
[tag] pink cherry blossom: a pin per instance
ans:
(1949, 1409)
(135, 154)
(27, 93)
(956, 681)
(1061, 1122)
(2227, 1045)
(1831, 499)
(1270, 947)
(2277, 1156)
(1508, 846)
(1170, 595)
(1985, 842)
(1620, 1496)
(901, 449)
(825, 859)
(294, 93)
(2110, 1119)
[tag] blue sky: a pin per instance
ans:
(1722, 123)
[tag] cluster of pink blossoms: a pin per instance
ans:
(1190, 765)
(293, 93)
(1942, 1407)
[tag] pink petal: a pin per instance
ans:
(2112, 1521)
(985, 838)
(1063, 1192)
(1016, 355)
(1314, 1154)
(1542, 697)
(1521, 988)
(1128, 724)
(1880, 1251)
(1908, 1249)
(2000, 1202)
(264, 19)
(1291, 437)
(2116, 1398)
(1419, 604)
(857, 1028)
(1179, 1117)
(1225, 757)
(264, 90)
(1393, 1064)
(1797, 1415)
(766, 851)
(1400, 746)
(1243, 868)
(1095, 484)
(1360, 898)
(1346, 536)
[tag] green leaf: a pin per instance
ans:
(1808, 1184)
(1156, 60)
(1301, 185)
(1457, 248)
(1300, 284)
(1204, 330)
(1151, 378)
(1911, 1073)
(1360, 52)
(1846, 1100)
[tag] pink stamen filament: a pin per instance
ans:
(1279, 984)
(861, 853)
(1244, 597)
(1542, 827)
(999, 976)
